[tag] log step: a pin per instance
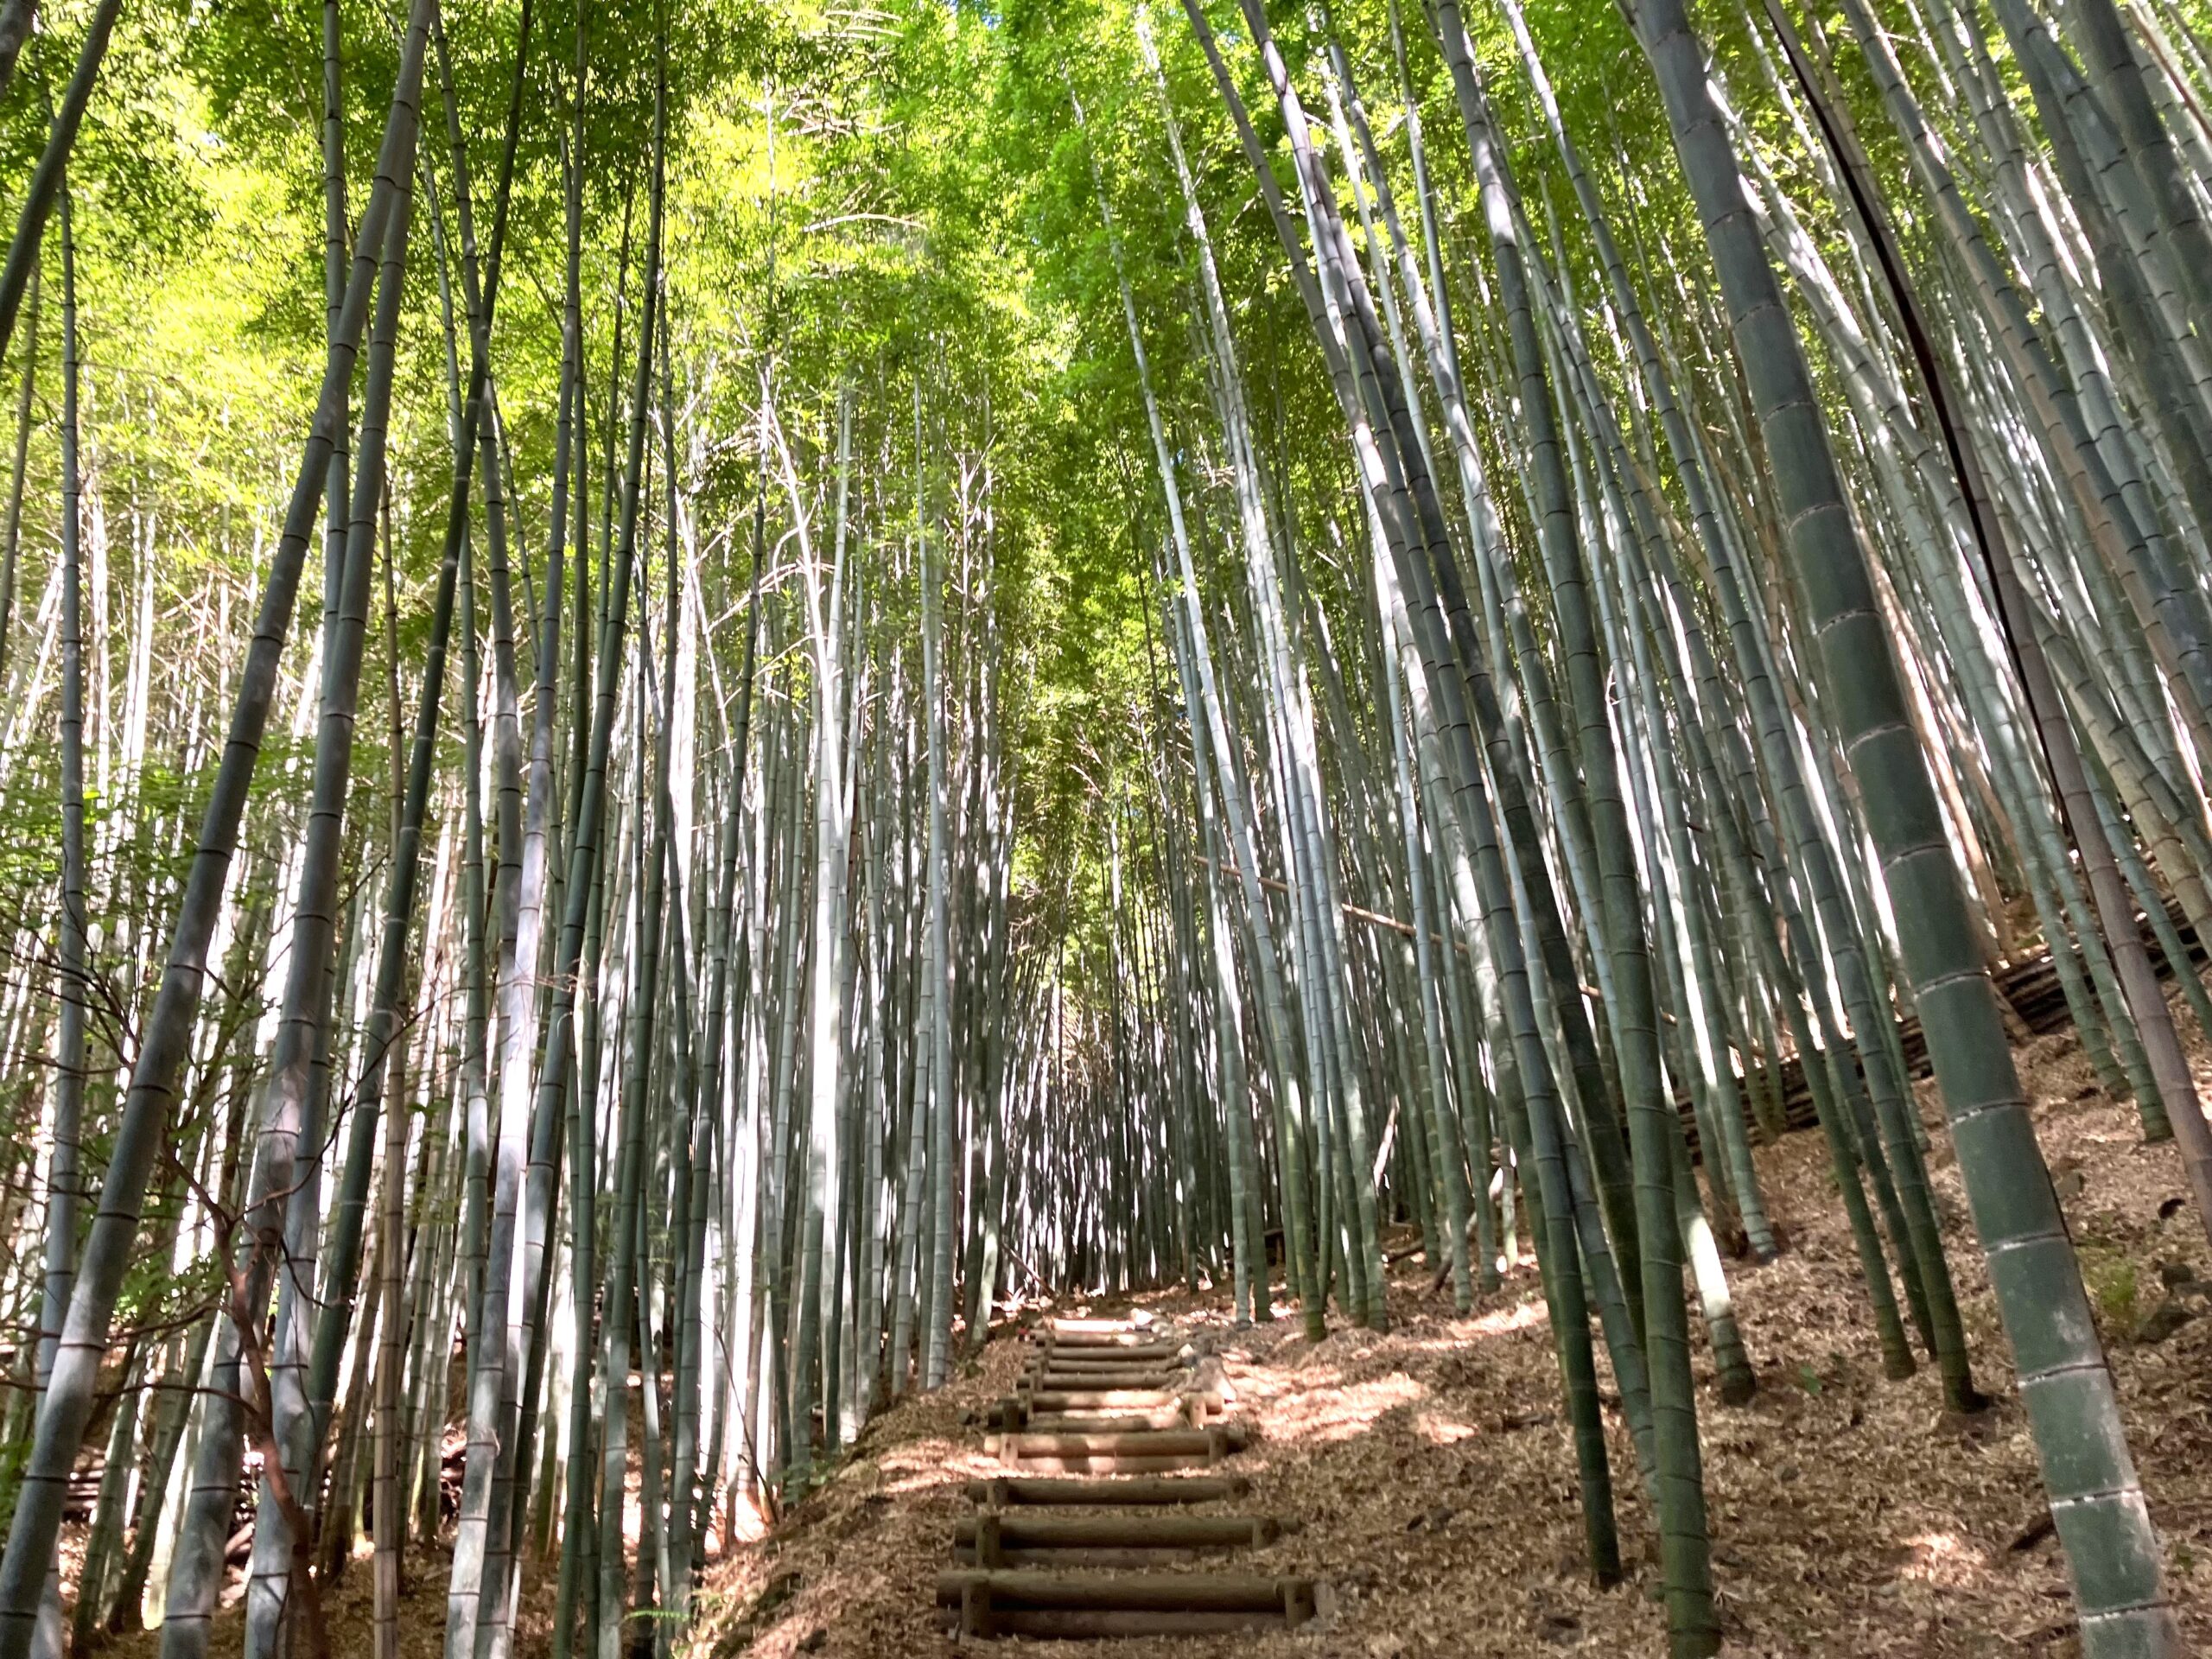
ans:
(1108, 1377)
(1104, 1330)
(1118, 1399)
(985, 1603)
(1124, 1530)
(1104, 1422)
(1100, 1559)
(1077, 1356)
(1078, 1365)
(1065, 1624)
(1006, 1492)
(1102, 1463)
(1146, 1452)
(1051, 1377)
(1107, 1359)
(1105, 1410)
(1144, 1443)
(1126, 1539)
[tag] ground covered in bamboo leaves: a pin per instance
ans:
(1429, 1477)
(352, 1619)
(1432, 1478)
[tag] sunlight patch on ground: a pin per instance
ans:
(1340, 1412)
(919, 1465)
(1500, 1321)
(1941, 1559)
(751, 1527)
(1442, 1431)
(1260, 1388)
(1452, 1335)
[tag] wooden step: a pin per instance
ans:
(1077, 1356)
(1103, 1559)
(1132, 1409)
(1072, 1381)
(1149, 1452)
(1101, 1463)
(1004, 1491)
(987, 1603)
(1103, 1422)
(1116, 1399)
(1148, 1375)
(1096, 1343)
(1142, 1443)
(1125, 1538)
(1093, 1365)
(1123, 1530)
(1064, 1366)
(1133, 1354)
(1105, 1329)
(1105, 1375)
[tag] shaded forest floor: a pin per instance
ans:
(1431, 1478)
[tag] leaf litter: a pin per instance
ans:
(1427, 1477)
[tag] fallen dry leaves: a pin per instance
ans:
(1429, 1476)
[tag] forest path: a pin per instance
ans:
(1101, 1438)
(1426, 1478)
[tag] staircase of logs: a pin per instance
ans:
(1109, 1445)
(2028, 988)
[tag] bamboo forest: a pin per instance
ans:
(1362, 829)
